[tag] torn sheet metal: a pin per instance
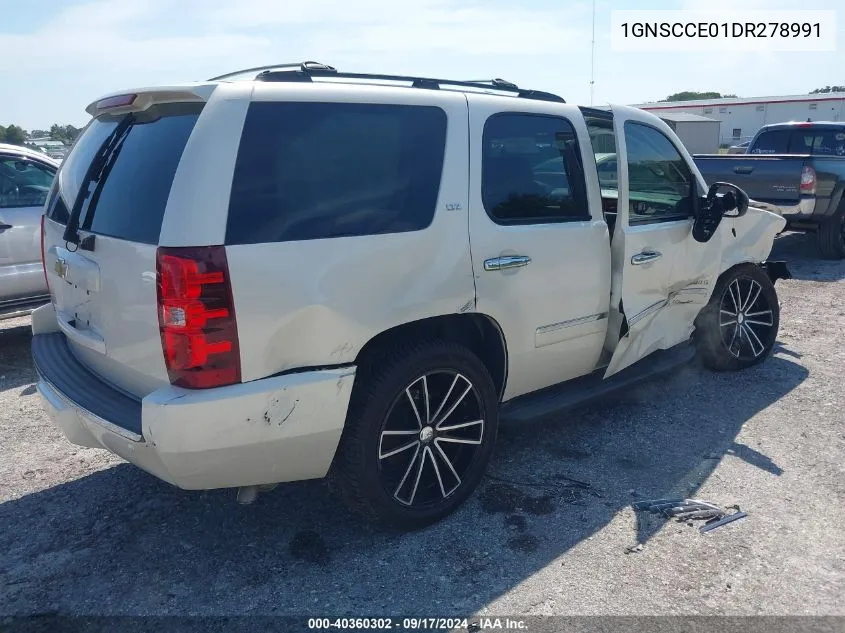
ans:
(691, 509)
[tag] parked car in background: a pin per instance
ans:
(309, 273)
(739, 148)
(25, 179)
(796, 170)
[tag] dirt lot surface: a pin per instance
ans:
(83, 532)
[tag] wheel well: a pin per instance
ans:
(478, 332)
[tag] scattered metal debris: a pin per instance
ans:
(685, 510)
(728, 518)
(633, 549)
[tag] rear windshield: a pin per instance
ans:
(817, 141)
(129, 199)
(319, 170)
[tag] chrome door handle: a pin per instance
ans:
(645, 257)
(506, 261)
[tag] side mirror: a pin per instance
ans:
(715, 206)
(734, 201)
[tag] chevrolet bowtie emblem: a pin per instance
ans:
(61, 268)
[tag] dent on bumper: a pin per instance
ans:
(284, 428)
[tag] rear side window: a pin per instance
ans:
(129, 199)
(774, 142)
(320, 170)
(818, 141)
(531, 170)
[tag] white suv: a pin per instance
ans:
(310, 273)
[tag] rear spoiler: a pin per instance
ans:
(141, 99)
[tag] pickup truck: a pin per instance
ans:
(796, 170)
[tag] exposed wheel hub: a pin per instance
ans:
(427, 434)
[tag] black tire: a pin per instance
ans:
(831, 235)
(727, 341)
(389, 397)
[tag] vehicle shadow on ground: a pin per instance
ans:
(801, 252)
(120, 541)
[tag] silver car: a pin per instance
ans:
(25, 180)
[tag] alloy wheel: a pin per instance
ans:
(431, 437)
(746, 320)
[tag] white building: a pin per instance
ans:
(54, 149)
(742, 118)
(699, 134)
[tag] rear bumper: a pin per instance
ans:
(284, 428)
(807, 211)
(801, 210)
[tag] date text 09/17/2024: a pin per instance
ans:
(421, 624)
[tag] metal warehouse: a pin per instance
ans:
(742, 118)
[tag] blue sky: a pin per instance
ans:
(58, 55)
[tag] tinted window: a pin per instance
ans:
(774, 142)
(531, 170)
(76, 164)
(607, 172)
(129, 200)
(23, 182)
(134, 193)
(320, 170)
(818, 141)
(603, 142)
(660, 184)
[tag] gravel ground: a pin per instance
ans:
(82, 532)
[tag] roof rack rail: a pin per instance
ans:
(300, 66)
(309, 70)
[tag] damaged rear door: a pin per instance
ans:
(662, 276)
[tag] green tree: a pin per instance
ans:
(64, 133)
(2, 134)
(15, 135)
(689, 95)
(71, 133)
(827, 89)
(38, 133)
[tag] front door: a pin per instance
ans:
(666, 276)
(540, 247)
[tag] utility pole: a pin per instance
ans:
(593, 56)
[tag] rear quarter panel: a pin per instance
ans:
(317, 302)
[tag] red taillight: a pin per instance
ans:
(43, 261)
(196, 316)
(116, 101)
(808, 180)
